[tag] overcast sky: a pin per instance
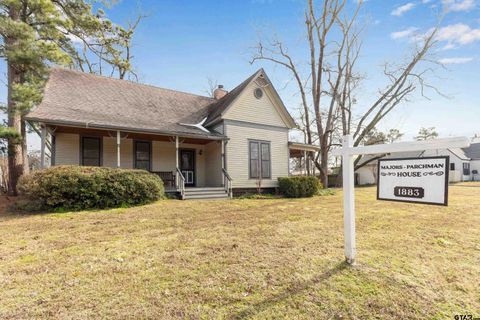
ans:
(182, 43)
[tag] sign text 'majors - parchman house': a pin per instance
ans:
(422, 180)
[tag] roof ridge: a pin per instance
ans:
(128, 81)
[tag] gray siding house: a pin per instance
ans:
(200, 146)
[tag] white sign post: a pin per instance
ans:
(348, 153)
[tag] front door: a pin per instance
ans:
(187, 166)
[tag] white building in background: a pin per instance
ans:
(464, 163)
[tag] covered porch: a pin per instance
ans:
(184, 162)
(300, 164)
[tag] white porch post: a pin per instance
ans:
(305, 162)
(42, 146)
(118, 149)
(348, 199)
(223, 161)
(176, 161)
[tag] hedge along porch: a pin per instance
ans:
(181, 161)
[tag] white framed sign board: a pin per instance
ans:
(418, 180)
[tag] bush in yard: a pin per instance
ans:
(299, 187)
(77, 188)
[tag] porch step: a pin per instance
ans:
(205, 193)
(204, 189)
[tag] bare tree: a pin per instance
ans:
(323, 78)
(327, 87)
(405, 79)
(212, 85)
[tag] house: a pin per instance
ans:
(464, 163)
(200, 146)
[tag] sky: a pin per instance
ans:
(181, 44)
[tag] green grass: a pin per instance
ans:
(260, 259)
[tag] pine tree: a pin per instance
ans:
(37, 34)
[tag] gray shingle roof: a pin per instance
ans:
(473, 152)
(73, 97)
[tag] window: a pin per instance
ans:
(142, 155)
(452, 166)
(91, 151)
(466, 169)
(258, 93)
(259, 158)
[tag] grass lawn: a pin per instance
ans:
(236, 259)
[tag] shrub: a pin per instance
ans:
(77, 188)
(299, 187)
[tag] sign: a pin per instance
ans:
(420, 180)
(419, 193)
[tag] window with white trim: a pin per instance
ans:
(91, 151)
(143, 155)
(259, 159)
(466, 169)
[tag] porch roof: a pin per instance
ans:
(297, 149)
(134, 134)
(73, 98)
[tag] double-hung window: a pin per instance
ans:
(91, 151)
(259, 160)
(143, 155)
(466, 168)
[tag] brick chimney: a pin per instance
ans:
(219, 92)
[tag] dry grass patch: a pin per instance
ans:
(279, 258)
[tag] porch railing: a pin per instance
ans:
(181, 183)
(227, 183)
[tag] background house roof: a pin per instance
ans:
(473, 151)
(73, 97)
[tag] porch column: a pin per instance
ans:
(42, 146)
(223, 161)
(305, 162)
(176, 161)
(118, 149)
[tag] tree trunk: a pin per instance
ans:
(16, 150)
(16, 154)
(324, 169)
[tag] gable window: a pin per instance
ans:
(466, 169)
(91, 151)
(452, 166)
(258, 93)
(259, 160)
(143, 155)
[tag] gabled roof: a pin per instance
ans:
(87, 100)
(81, 99)
(218, 109)
(473, 152)
(459, 153)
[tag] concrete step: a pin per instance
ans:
(206, 196)
(204, 189)
(205, 193)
